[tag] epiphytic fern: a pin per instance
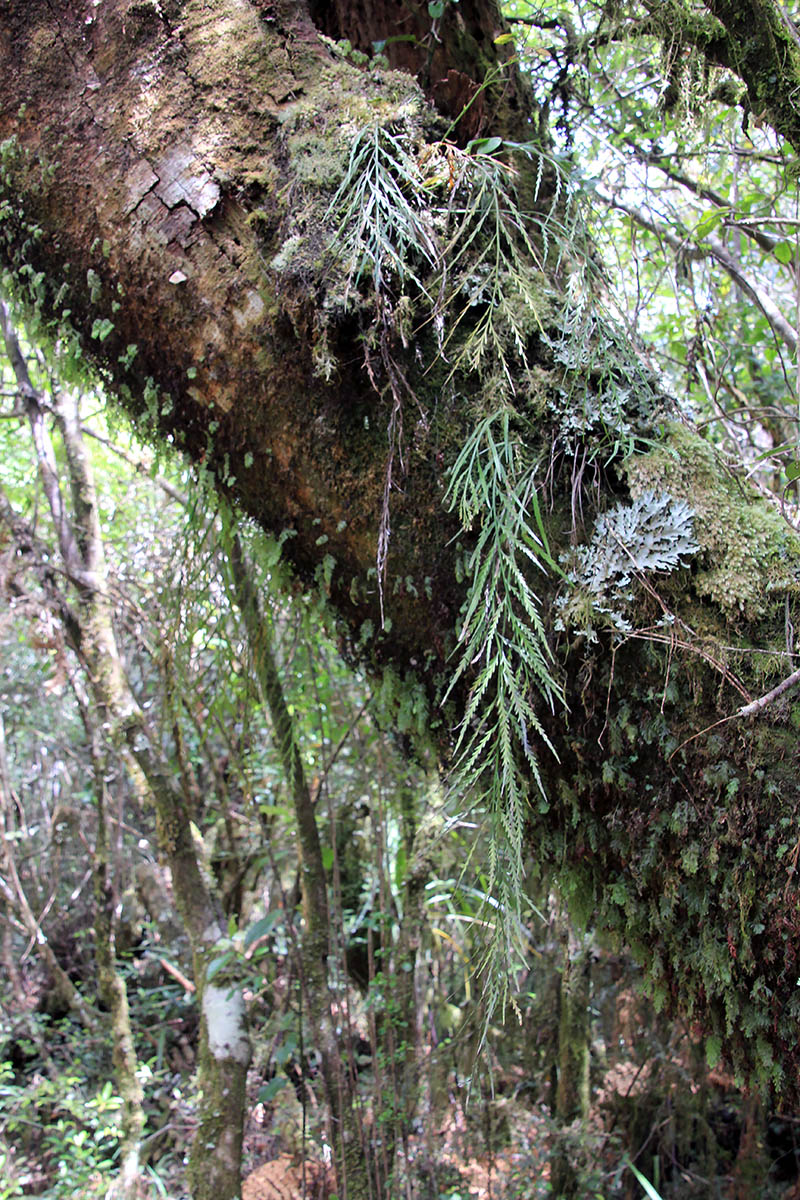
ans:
(503, 650)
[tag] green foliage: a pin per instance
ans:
(380, 206)
(77, 1138)
(649, 1190)
(443, 229)
(447, 224)
(682, 186)
(503, 651)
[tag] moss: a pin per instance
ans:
(748, 552)
(676, 839)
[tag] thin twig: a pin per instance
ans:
(748, 710)
(185, 983)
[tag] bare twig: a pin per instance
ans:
(185, 983)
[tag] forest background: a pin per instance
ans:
(408, 1008)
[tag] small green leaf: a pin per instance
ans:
(327, 857)
(102, 328)
(793, 471)
(646, 1184)
(270, 1090)
(259, 928)
(784, 253)
(503, 39)
(436, 8)
(484, 145)
(216, 964)
(272, 552)
(709, 221)
(285, 1052)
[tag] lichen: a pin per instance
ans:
(748, 552)
(226, 1023)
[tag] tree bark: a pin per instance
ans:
(169, 175)
(761, 44)
(113, 993)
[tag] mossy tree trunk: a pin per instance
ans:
(168, 174)
(352, 1160)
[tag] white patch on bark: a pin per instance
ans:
(212, 934)
(139, 181)
(184, 179)
(250, 311)
(224, 1014)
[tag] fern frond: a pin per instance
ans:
(381, 209)
(500, 735)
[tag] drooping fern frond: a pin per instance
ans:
(503, 650)
(447, 227)
(492, 258)
(446, 224)
(380, 206)
(449, 221)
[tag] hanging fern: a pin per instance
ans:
(381, 210)
(448, 222)
(443, 226)
(504, 652)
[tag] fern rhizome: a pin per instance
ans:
(436, 238)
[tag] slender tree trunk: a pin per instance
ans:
(114, 995)
(574, 1041)
(351, 1154)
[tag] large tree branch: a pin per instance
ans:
(761, 45)
(173, 182)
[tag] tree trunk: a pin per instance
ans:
(351, 1153)
(114, 995)
(177, 174)
(574, 1041)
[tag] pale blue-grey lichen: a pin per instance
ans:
(652, 533)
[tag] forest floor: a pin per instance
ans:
(480, 1176)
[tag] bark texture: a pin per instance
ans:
(761, 44)
(167, 175)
